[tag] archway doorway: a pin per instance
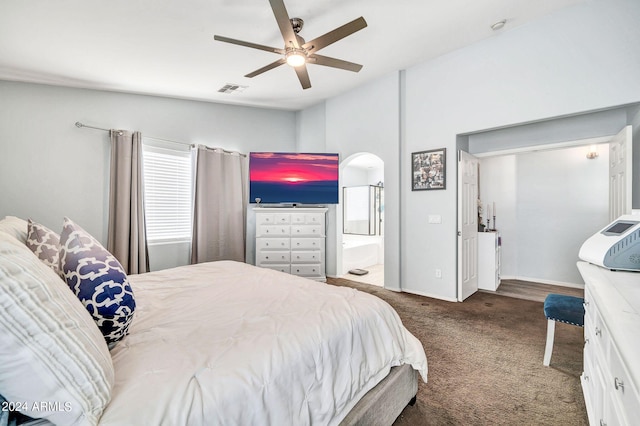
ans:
(361, 224)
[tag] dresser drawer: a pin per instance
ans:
(306, 231)
(307, 243)
(273, 257)
(622, 388)
(306, 257)
(265, 219)
(273, 244)
(306, 270)
(282, 218)
(307, 218)
(592, 388)
(599, 333)
(282, 268)
(273, 230)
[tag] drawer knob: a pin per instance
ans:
(266, 257)
(619, 384)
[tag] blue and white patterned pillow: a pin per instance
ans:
(45, 244)
(98, 280)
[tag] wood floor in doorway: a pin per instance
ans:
(533, 291)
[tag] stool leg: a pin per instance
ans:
(551, 329)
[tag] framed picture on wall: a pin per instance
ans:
(428, 170)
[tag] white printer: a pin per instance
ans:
(616, 246)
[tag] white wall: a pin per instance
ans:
(548, 203)
(50, 169)
(498, 184)
(581, 58)
(367, 120)
(311, 129)
(634, 119)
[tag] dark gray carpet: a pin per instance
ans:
(485, 361)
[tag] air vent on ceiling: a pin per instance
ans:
(231, 88)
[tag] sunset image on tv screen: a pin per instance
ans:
(281, 177)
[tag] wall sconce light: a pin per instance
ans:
(593, 152)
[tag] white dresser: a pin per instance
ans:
(488, 260)
(291, 240)
(611, 377)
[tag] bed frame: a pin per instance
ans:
(382, 405)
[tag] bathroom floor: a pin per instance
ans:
(374, 277)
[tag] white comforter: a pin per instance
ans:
(226, 343)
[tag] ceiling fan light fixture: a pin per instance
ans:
(296, 58)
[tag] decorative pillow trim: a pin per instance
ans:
(97, 278)
(45, 244)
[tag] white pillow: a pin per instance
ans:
(15, 226)
(51, 351)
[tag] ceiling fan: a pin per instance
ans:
(296, 51)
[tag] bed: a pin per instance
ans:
(227, 343)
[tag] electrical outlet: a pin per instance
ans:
(438, 273)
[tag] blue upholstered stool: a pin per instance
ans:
(567, 309)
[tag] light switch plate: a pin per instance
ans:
(435, 218)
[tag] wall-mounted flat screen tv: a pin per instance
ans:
(293, 178)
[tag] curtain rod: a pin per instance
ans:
(80, 125)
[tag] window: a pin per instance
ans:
(168, 193)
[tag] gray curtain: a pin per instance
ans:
(127, 236)
(220, 207)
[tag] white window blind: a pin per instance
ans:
(168, 193)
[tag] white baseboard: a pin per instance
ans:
(543, 281)
(433, 296)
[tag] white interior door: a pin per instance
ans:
(467, 225)
(620, 174)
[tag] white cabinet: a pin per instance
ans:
(488, 260)
(291, 240)
(611, 376)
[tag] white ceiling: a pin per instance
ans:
(166, 48)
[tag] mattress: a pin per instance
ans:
(226, 343)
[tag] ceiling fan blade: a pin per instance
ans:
(303, 76)
(282, 17)
(249, 44)
(267, 68)
(333, 62)
(335, 35)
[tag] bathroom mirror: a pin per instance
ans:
(362, 210)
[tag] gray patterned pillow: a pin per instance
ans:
(44, 243)
(97, 278)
